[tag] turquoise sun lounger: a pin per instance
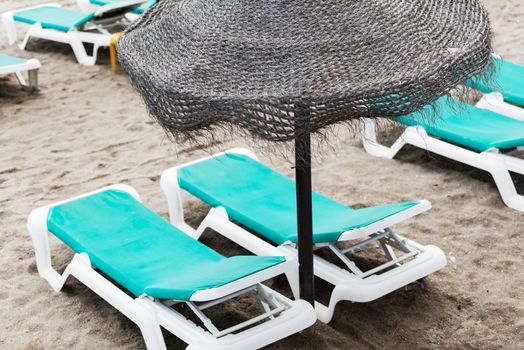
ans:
(85, 5)
(76, 28)
(19, 67)
(477, 137)
(240, 189)
(158, 265)
(506, 96)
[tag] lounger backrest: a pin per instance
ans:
(53, 17)
(143, 252)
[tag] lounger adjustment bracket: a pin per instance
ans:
(387, 240)
(269, 305)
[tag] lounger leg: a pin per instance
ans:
(137, 310)
(37, 227)
(499, 167)
(9, 25)
(171, 189)
(150, 327)
(33, 79)
(325, 314)
(80, 268)
(97, 39)
(293, 280)
(80, 52)
(23, 44)
(371, 144)
(31, 84)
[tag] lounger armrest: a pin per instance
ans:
(422, 206)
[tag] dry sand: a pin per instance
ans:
(87, 128)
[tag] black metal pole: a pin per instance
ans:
(304, 216)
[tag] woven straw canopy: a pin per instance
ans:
(282, 68)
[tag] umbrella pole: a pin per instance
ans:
(304, 217)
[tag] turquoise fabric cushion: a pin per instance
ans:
(143, 252)
(53, 17)
(141, 9)
(6, 60)
(264, 200)
(509, 77)
(469, 126)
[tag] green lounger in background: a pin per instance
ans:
(26, 71)
(152, 266)
(242, 190)
(88, 5)
(64, 25)
(478, 137)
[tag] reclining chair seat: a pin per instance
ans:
(264, 200)
(142, 252)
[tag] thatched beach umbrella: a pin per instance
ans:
(283, 69)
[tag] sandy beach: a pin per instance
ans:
(87, 128)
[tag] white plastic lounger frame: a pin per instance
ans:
(97, 35)
(282, 316)
(31, 67)
(497, 164)
(351, 284)
(494, 102)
